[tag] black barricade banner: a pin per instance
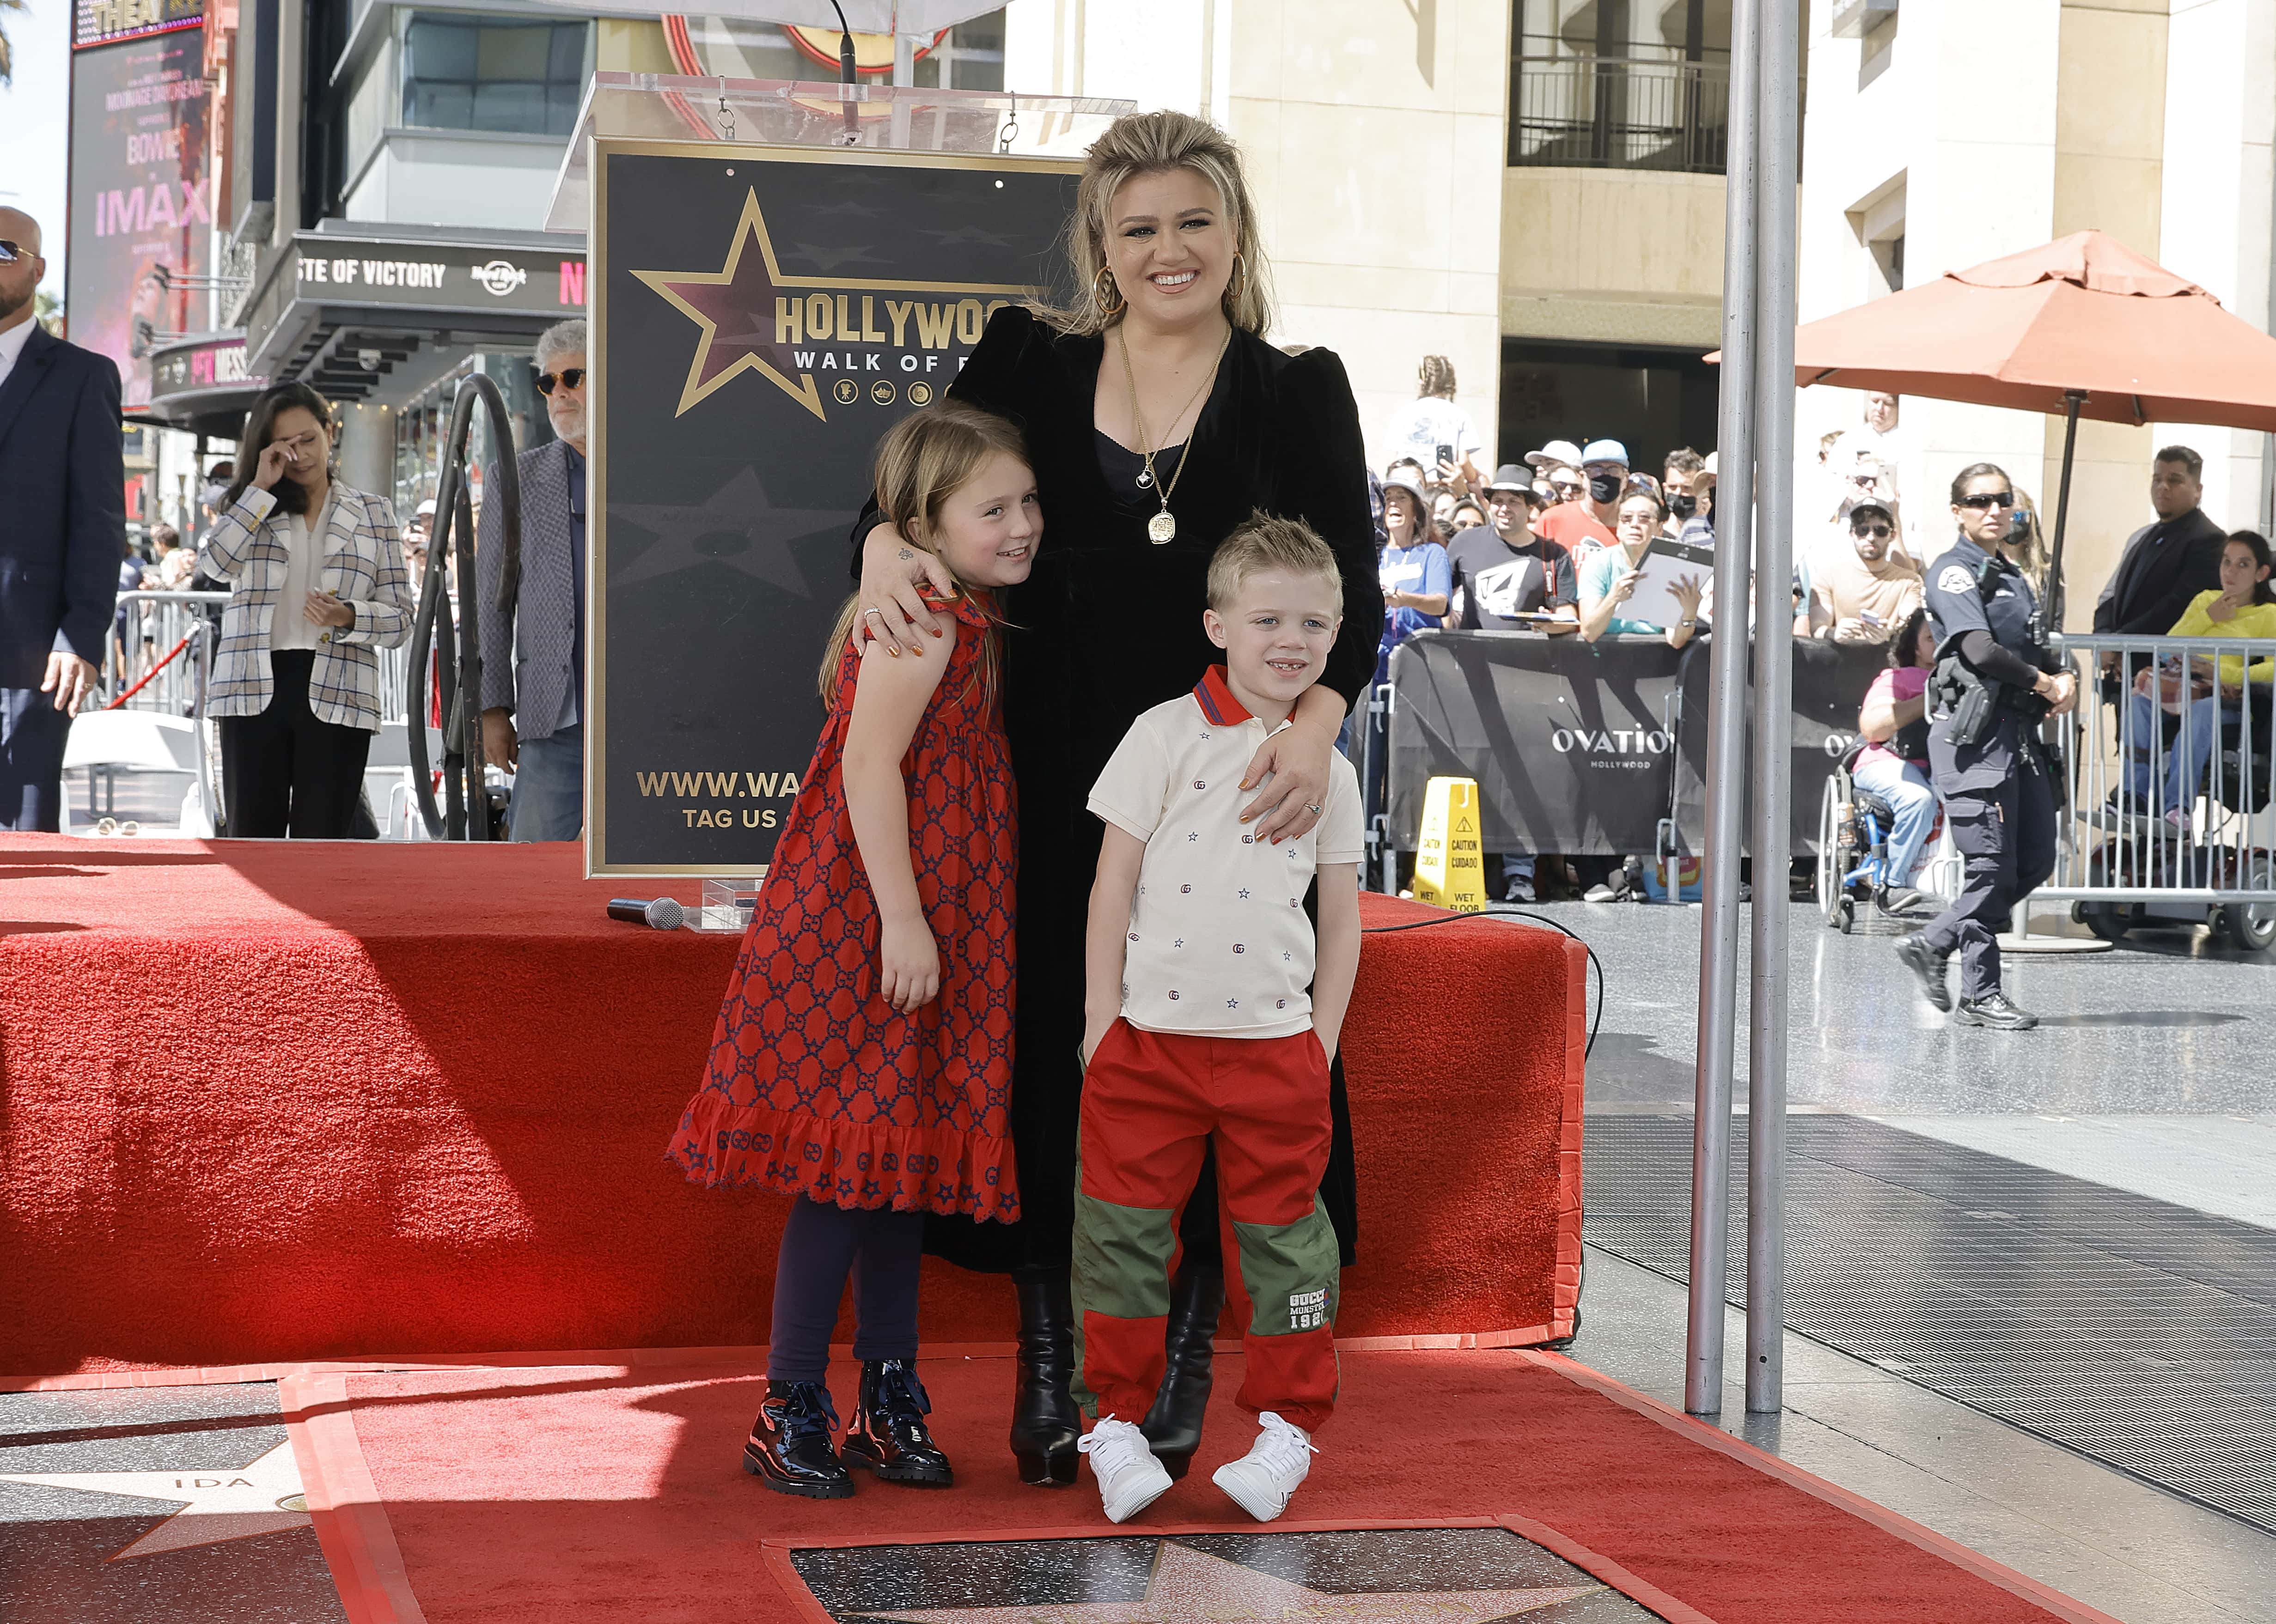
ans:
(1829, 679)
(762, 315)
(1570, 742)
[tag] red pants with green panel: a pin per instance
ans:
(1151, 1104)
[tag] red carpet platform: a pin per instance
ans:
(573, 1493)
(279, 1102)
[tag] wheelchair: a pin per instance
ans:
(1853, 843)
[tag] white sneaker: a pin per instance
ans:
(1261, 1480)
(1129, 1478)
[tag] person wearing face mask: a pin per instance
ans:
(1581, 526)
(1994, 681)
(533, 653)
(316, 585)
(1683, 473)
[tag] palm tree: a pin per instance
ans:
(7, 57)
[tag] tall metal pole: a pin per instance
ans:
(1779, 131)
(1726, 742)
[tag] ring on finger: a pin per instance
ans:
(867, 613)
(1311, 809)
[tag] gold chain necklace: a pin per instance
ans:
(1163, 527)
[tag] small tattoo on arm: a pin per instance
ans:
(906, 554)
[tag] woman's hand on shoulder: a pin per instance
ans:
(1292, 766)
(894, 609)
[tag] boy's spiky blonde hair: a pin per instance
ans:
(1266, 541)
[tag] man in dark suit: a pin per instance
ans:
(63, 529)
(2167, 563)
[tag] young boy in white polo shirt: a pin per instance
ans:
(1199, 1027)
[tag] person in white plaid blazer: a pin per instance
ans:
(317, 586)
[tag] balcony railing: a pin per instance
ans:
(1608, 112)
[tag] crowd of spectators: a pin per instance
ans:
(1553, 545)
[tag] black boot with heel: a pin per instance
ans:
(889, 1435)
(1044, 1421)
(1174, 1426)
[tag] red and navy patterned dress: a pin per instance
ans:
(816, 1086)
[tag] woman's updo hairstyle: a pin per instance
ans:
(1152, 144)
(1436, 378)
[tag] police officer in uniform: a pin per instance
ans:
(1994, 680)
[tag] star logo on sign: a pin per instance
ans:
(1191, 1587)
(737, 307)
(686, 537)
(216, 1505)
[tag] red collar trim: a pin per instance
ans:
(1216, 698)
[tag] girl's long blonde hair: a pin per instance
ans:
(922, 461)
(1153, 143)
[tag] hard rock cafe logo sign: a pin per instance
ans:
(500, 277)
(852, 338)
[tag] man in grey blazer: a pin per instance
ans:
(534, 656)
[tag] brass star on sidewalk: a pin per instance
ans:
(1191, 1587)
(218, 1504)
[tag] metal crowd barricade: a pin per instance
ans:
(2149, 736)
(152, 626)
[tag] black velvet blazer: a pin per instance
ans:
(1110, 624)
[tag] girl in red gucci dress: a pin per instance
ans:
(863, 1062)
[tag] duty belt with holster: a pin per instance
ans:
(1972, 704)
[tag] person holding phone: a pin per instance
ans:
(1863, 593)
(1435, 432)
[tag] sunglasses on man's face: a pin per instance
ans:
(1989, 499)
(1879, 533)
(1564, 490)
(9, 252)
(568, 378)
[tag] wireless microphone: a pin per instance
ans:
(663, 914)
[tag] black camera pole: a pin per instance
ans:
(464, 813)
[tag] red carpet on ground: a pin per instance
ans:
(266, 1102)
(566, 1494)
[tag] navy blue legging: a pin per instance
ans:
(821, 1245)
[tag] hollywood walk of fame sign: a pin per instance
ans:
(216, 1505)
(762, 315)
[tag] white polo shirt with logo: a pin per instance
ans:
(1219, 944)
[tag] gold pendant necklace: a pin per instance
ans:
(1163, 527)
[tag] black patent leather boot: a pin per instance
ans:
(888, 1434)
(1174, 1426)
(790, 1450)
(1044, 1421)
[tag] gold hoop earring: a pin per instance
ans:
(1102, 283)
(1237, 283)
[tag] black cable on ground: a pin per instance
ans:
(1594, 963)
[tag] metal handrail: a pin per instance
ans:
(1619, 112)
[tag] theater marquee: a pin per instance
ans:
(762, 315)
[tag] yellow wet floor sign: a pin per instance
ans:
(1449, 865)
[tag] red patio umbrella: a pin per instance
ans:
(2083, 326)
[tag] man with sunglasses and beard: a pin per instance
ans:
(63, 524)
(534, 655)
(1863, 593)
